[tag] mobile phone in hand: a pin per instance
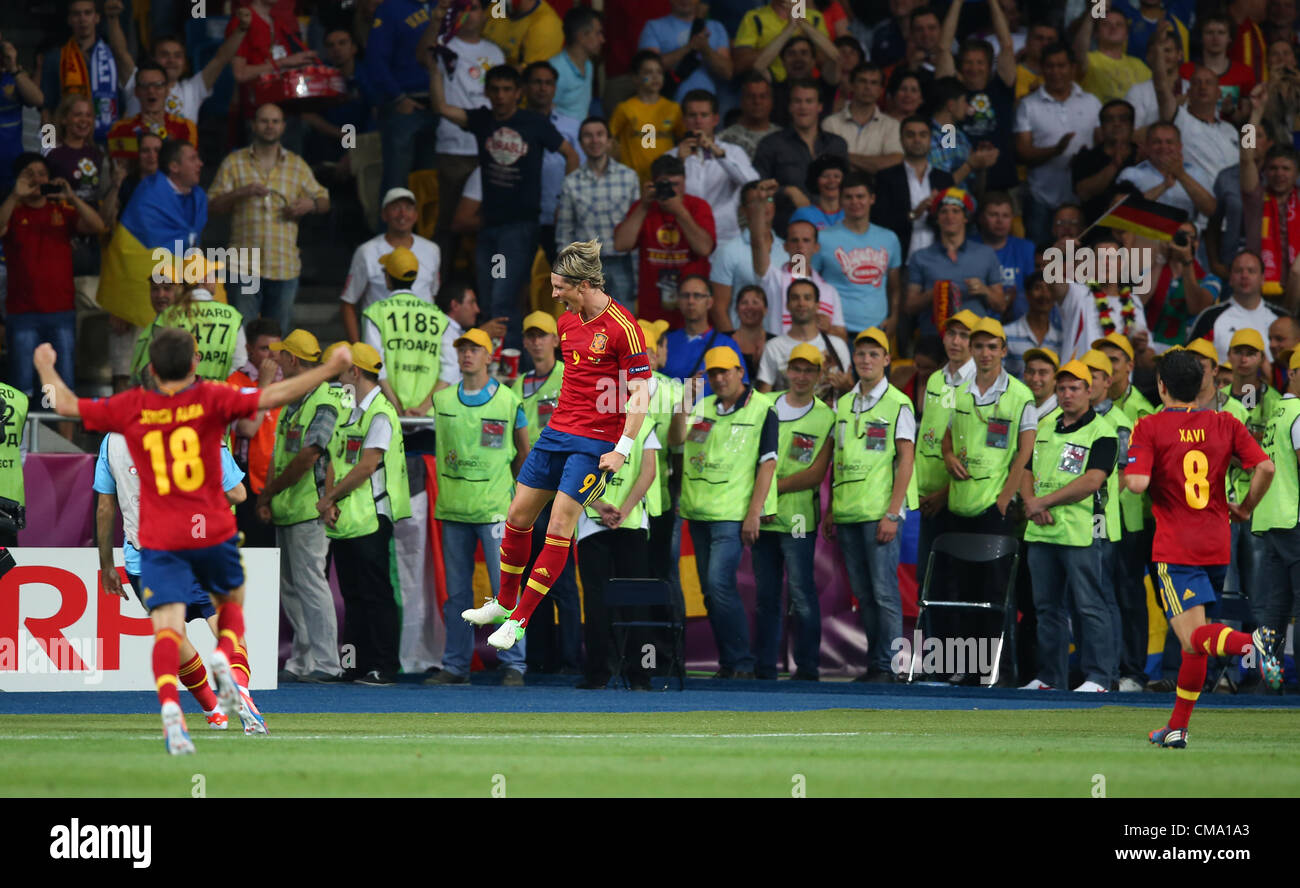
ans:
(48, 188)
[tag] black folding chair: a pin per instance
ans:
(975, 548)
(646, 604)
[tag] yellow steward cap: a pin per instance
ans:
(1042, 354)
(477, 337)
(1076, 369)
(873, 334)
(989, 327)
(300, 344)
(331, 349)
(1097, 361)
(1119, 340)
(1247, 336)
(810, 353)
(966, 317)
(540, 320)
(1290, 359)
(366, 357)
(401, 265)
(721, 357)
(1204, 348)
(653, 331)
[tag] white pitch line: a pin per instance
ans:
(439, 736)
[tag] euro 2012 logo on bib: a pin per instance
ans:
(451, 459)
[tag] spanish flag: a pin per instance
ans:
(1145, 217)
(158, 222)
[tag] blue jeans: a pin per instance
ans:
(620, 281)
(773, 554)
(1110, 570)
(717, 556)
(873, 576)
(1059, 573)
(25, 332)
(458, 543)
(408, 144)
(272, 299)
(1246, 570)
(505, 262)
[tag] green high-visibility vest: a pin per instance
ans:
(1134, 404)
(13, 413)
(931, 474)
(410, 330)
(215, 327)
(475, 446)
(358, 515)
(619, 485)
(1123, 508)
(798, 443)
(666, 395)
(1058, 460)
(298, 503)
(720, 460)
(1255, 418)
(1279, 509)
(539, 406)
(862, 479)
(985, 440)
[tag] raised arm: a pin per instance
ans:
(63, 400)
(1006, 60)
(116, 39)
(944, 64)
(1082, 46)
(456, 115)
(226, 51)
(277, 394)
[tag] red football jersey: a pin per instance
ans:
(175, 441)
(1186, 453)
(597, 355)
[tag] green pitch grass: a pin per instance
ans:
(838, 753)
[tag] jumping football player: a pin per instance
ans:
(588, 438)
(187, 532)
(1180, 457)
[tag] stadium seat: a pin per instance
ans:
(424, 185)
(645, 604)
(975, 548)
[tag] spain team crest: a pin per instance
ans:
(598, 343)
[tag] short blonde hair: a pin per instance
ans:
(580, 261)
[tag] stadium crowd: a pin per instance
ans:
(842, 227)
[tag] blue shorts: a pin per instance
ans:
(1184, 586)
(567, 464)
(199, 607)
(188, 575)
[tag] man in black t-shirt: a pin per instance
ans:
(511, 143)
(1094, 170)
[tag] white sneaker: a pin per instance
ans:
(175, 737)
(1128, 685)
(228, 696)
(490, 613)
(505, 637)
(1091, 687)
(1036, 685)
(248, 714)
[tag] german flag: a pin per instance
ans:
(1145, 217)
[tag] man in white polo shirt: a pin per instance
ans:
(366, 283)
(1169, 177)
(1209, 142)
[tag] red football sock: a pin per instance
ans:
(195, 676)
(516, 546)
(230, 628)
(1218, 640)
(166, 659)
(239, 665)
(1191, 678)
(550, 561)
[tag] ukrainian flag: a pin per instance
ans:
(158, 217)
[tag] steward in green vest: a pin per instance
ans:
(989, 438)
(788, 540)
(539, 388)
(482, 441)
(872, 486)
(1119, 350)
(218, 331)
(1249, 391)
(408, 331)
(936, 409)
(1277, 517)
(1074, 455)
(13, 413)
(729, 449)
(366, 490)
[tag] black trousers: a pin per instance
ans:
(256, 534)
(602, 557)
(1131, 593)
(371, 625)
